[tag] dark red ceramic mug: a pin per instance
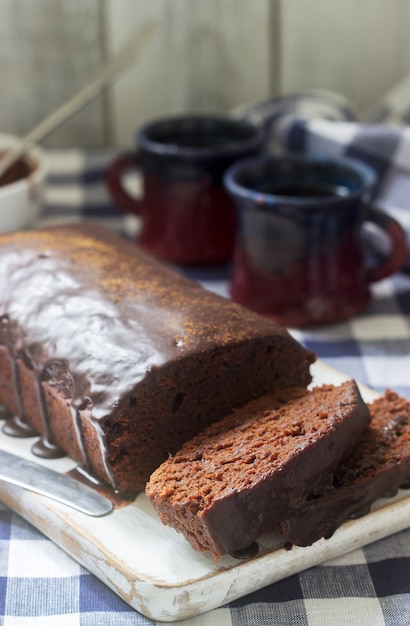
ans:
(300, 252)
(187, 216)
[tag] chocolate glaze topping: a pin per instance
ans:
(107, 347)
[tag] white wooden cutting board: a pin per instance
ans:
(154, 569)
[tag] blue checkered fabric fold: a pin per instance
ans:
(324, 123)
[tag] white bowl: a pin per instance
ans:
(21, 201)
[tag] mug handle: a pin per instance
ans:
(397, 257)
(121, 197)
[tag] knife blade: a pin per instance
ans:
(35, 477)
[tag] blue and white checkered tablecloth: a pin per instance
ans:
(41, 586)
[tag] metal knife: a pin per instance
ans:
(34, 477)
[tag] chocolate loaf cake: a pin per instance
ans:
(376, 468)
(241, 476)
(117, 359)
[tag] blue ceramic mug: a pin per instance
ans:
(300, 255)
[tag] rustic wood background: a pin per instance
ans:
(207, 55)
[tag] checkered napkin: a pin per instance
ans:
(41, 586)
(324, 123)
(77, 191)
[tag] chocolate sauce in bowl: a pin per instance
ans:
(22, 168)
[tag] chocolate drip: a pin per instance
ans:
(17, 427)
(56, 374)
(17, 386)
(360, 512)
(85, 405)
(4, 413)
(118, 499)
(246, 553)
(46, 449)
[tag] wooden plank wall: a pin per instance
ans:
(205, 56)
(48, 50)
(360, 48)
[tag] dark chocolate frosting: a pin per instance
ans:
(46, 300)
(92, 316)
